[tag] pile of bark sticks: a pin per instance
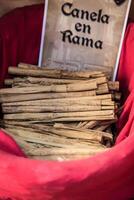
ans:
(59, 115)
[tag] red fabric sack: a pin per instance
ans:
(108, 176)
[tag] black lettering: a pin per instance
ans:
(93, 16)
(86, 28)
(76, 40)
(99, 44)
(66, 6)
(87, 42)
(84, 14)
(75, 13)
(66, 36)
(105, 19)
(78, 27)
(99, 15)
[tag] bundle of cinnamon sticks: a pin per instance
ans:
(59, 115)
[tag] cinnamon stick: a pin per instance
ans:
(60, 152)
(58, 116)
(27, 81)
(26, 97)
(88, 125)
(8, 82)
(88, 101)
(84, 140)
(113, 86)
(29, 97)
(102, 89)
(53, 88)
(62, 131)
(37, 72)
(46, 140)
(61, 108)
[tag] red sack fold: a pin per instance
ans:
(107, 176)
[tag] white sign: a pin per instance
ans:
(80, 35)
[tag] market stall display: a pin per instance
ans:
(108, 175)
(60, 115)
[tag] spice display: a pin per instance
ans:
(59, 115)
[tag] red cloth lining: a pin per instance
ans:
(20, 35)
(108, 176)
